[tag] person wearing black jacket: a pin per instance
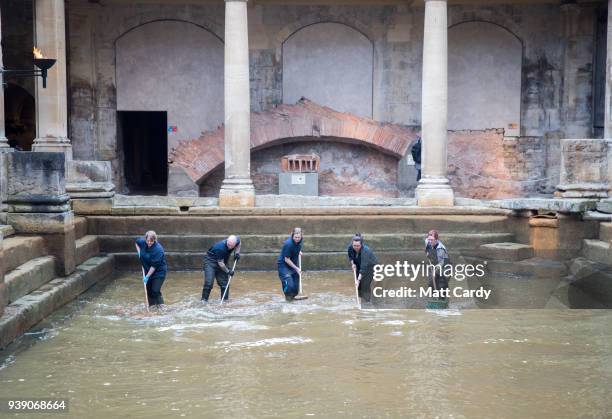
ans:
(362, 260)
(216, 265)
(416, 156)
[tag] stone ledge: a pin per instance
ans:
(32, 308)
(506, 251)
(605, 205)
(549, 204)
(30, 276)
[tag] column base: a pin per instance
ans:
(237, 193)
(434, 192)
(57, 145)
(4, 145)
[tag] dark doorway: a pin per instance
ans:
(19, 117)
(145, 151)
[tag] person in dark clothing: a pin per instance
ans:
(153, 261)
(362, 261)
(288, 269)
(438, 257)
(416, 156)
(355, 255)
(215, 265)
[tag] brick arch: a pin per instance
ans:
(306, 119)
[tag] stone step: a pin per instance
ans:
(597, 251)
(532, 267)
(80, 227)
(336, 224)
(29, 276)
(7, 230)
(20, 249)
(605, 232)
(86, 247)
(28, 310)
(315, 261)
(506, 251)
(593, 278)
(319, 242)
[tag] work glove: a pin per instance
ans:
(145, 279)
(230, 272)
(237, 256)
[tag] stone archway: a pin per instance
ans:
(199, 158)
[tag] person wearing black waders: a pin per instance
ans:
(215, 265)
(153, 261)
(439, 259)
(289, 269)
(362, 260)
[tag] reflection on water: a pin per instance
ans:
(259, 356)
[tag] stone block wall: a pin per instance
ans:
(395, 31)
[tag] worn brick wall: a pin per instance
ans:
(346, 169)
(485, 165)
(482, 165)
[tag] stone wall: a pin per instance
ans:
(395, 31)
(482, 165)
(346, 169)
(486, 165)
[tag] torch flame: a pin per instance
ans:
(38, 53)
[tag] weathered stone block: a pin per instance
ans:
(36, 182)
(298, 183)
(92, 206)
(29, 277)
(597, 251)
(18, 250)
(584, 168)
(237, 195)
(3, 182)
(605, 232)
(560, 205)
(86, 247)
(605, 205)
(506, 251)
(89, 179)
(41, 223)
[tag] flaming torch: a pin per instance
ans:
(43, 64)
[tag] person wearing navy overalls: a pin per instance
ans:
(153, 261)
(288, 269)
(215, 265)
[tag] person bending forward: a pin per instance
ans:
(153, 261)
(215, 265)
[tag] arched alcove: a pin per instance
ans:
(484, 77)
(331, 64)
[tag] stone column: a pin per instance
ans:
(578, 30)
(433, 188)
(4, 146)
(608, 114)
(51, 102)
(237, 188)
(3, 293)
(3, 140)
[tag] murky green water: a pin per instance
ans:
(259, 356)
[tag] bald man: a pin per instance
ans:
(215, 265)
